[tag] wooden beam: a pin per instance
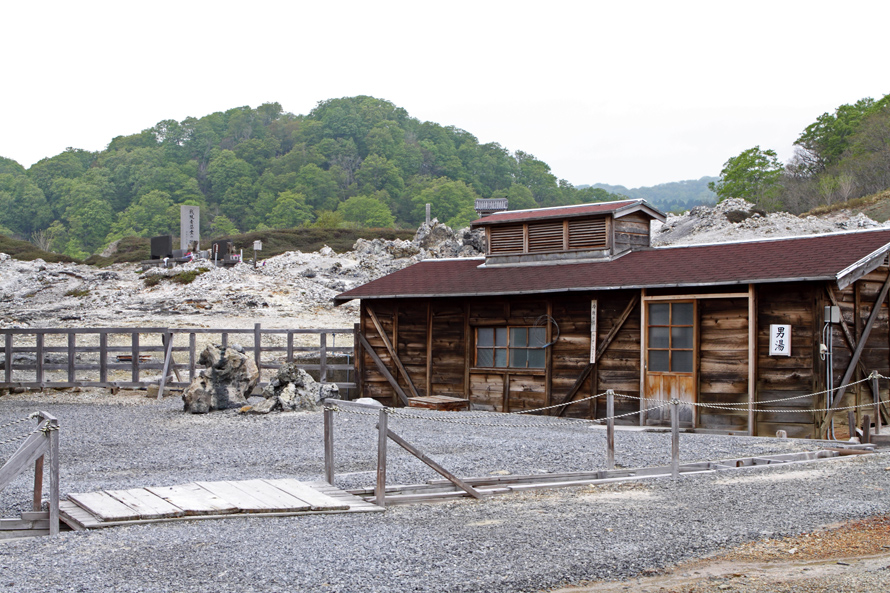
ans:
(168, 354)
(429, 347)
(391, 350)
(851, 344)
(599, 352)
(752, 356)
(382, 368)
(444, 472)
(866, 331)
(698, 296)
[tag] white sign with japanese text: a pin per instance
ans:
(780, 340)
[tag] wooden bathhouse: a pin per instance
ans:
(571, 301)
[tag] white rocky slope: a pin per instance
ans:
(705, 224)
(295, 289)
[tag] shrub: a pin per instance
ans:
(78, 292)
(152, 280)
(187, 276)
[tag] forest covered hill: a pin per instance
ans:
(676, 196)
(356, 161)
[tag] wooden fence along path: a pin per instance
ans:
(207, 500)
(39, 444)
(117, 357)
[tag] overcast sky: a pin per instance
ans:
(629, 93)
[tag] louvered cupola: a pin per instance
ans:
(587, 231)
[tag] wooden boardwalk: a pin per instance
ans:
(207, 500)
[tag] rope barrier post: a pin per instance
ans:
(329, 444)
(675, 439)
(610, 429)
(380, 488)
(875, 390)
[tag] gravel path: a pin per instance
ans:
(522, 542)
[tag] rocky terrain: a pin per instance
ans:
(290, 290)
(295, 289)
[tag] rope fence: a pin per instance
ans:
(494, 420)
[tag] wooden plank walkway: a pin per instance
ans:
(207, 500)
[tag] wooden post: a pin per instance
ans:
(752, 357)
(39, 352)
(53, 475)
(192, 356)
(329, 444)
(380, 488)
(358, 360)
(257, 347)
(866, 429)
(37, 504)
(134, 353)
(675, 439)
(876, 394)
(225, 340)
(323, 358)
(103, 357)
(851, 423)
(290, 346)
(610, 429)
(72, 356)
(7, 359)
(429, 347)
(168, 354)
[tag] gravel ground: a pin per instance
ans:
(520, 542)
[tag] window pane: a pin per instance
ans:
(659, 360)
(518, 358)
(500, 356)
(681, 337)
(682, 314)
(537, 336)
(485, 336)
(681, 361)
(536, 359)
(518, 337)
(500, 336)
(659, 314)
(659, 337)
(484, 357)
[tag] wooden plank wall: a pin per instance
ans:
(448, 348)
(571, 353)
(631, 231)
(876, 356)
(619, 368)
(723, 362)
(798, 374)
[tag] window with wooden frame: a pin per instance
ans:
(510, 347)
(671, 338)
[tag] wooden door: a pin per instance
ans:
(671, 355)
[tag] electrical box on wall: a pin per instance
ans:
(832, 314)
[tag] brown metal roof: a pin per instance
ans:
(821, 257)
(565, 212)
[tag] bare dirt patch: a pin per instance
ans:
(852, 556)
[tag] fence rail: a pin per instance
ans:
(117, 357)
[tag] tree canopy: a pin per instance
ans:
(357, 161)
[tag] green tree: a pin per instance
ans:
(221, 225)
(752, 175)
(367, 212)
(290, 211)
(378, 173)
(328, 220)
(151, 215)
(518, 197)
(451, 202)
